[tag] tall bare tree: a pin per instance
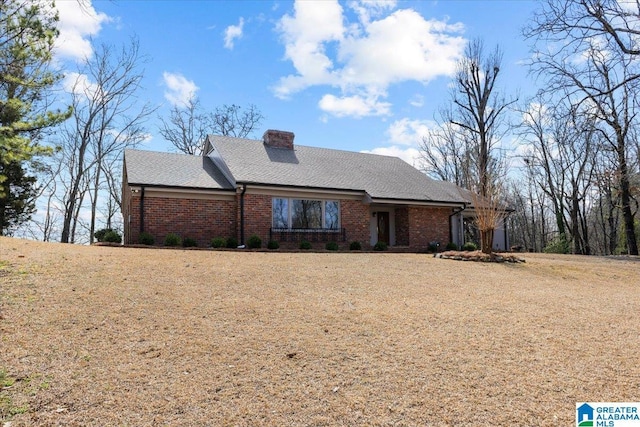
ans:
(587, 50)
(188, 125)
(106, 119)
(470, 132)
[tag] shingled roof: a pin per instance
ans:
(250, 161)
(381, 177)
(173, 170)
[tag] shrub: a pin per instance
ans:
(273, 244)
(469, 247)
(451, 246)
(331, 246)
(559, 245)
(112, 237)
(305, 244)
(355, 246)
(232, 243)
(99, 235)
(433, 247)
(172, 239)
(380, 246)
(219, 242)
(254, 242)
(146, 238)
(188, 242)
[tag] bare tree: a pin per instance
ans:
(106, 119)
(595, 65)
(470, 132)
(188, 125)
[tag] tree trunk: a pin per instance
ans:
(625, 198)
(486, 240)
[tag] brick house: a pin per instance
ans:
(278, 191)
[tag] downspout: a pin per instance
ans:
(244, 190)
(455, 212)
(142, 209)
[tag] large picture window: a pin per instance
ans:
(306, 214)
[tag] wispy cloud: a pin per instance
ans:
(233, 32)
(179, 89)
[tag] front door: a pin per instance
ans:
(383, 227)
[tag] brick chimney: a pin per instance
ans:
(278, 139)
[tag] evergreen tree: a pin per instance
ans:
(27, 34)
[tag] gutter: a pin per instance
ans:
(142, 209)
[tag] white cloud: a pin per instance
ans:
(404, 138)
(409, 132)
(363, 58)
(179, 89)
(232, 33)
(78, 22)
(408, 154)
(366, 9)
(355, 106)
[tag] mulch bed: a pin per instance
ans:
(479, 256)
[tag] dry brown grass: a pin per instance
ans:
(115, 336)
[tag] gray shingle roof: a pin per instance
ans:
(252, 162)
(382, 177)
(173, 170)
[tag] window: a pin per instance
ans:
(306, 214)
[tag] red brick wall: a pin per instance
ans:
(428, 225)
(257, 217)
(402, 226)
(198, 219)
(203, 220)
(354, 217)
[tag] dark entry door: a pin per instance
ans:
(383, 227)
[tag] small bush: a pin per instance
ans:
(112, 237)
(219, 242)
(433, 247)
(380, 246)
(146, 238)
(254, 242)
(559, 245)
(172, 239)
(451, 246)
(331, 246)
(273, 244)
(305, 244)
(232, 243)
(355, 246)
(188, 242)
(99, 235)
(469, 247)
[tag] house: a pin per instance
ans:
(285, 192)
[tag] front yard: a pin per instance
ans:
(125, 336)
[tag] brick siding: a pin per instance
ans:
(426, 225)
(203, 220)
(198, 219)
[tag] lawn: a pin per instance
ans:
(140, 337)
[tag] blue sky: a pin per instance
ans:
(352, 75)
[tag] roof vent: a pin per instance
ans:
(278, 139)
